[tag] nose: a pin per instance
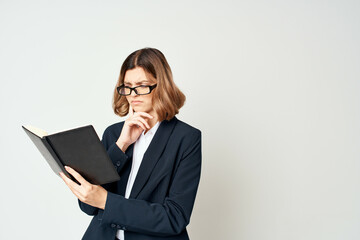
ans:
(133, 92)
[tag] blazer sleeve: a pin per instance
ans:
(118, 157)
(173, 215)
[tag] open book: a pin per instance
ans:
(79, 148)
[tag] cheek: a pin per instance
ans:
(149, 101)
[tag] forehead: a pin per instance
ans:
(136, 76)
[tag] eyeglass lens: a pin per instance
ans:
(138, 90)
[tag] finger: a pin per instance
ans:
(75, 192)
(138, 123)
(62, 175)
(76, 175)
(144, 122)
(75, 188)
(131, 111)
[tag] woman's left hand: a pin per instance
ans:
(88, 193)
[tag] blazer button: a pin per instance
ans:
(118, 163)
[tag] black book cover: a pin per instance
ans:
(80, 149)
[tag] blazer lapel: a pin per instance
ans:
(152, 155)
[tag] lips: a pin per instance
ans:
(136, 102)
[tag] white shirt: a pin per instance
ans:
(140, 146)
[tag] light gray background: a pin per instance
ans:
(273, 85)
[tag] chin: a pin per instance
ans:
(139, 109)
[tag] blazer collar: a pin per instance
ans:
(152, 155)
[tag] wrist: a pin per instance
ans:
(103, 202)
(123, 146)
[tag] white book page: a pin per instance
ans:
(39, 132)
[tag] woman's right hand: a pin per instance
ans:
(132, 128)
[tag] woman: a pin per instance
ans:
(157, 156)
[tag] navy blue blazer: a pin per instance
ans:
(163, 194)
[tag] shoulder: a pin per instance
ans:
(114, 130)
(115, 126)
(187, 128)
(188, 137)
(186, 131)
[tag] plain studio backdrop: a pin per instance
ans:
(274, 87)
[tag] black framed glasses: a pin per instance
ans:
(139, 90)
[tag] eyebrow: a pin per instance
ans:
(143, 81)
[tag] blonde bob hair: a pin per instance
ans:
(167, 98)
